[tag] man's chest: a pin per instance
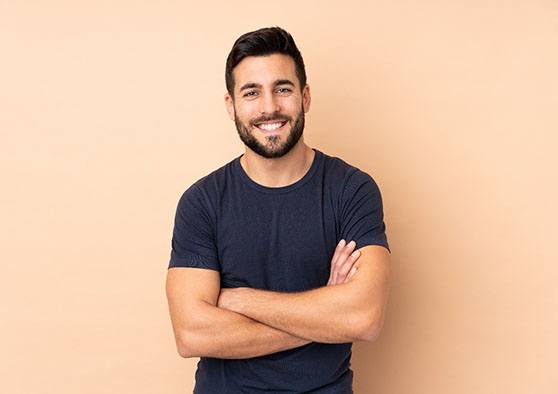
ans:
(280, 243)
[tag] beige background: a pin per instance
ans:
(110, 109)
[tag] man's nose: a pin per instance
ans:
(269, 104)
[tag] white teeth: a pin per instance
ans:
(271, 126)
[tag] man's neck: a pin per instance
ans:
(281, 171)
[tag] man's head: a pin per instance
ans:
(267, 94)
(262, 42)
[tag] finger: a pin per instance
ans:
(347, 267)
(335, 257)
(338, 250)
(348, 264)
(343, 256)
(351, 273)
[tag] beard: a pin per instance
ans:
(273, 147)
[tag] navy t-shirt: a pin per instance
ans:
(280, 239)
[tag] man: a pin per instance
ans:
(261, 283)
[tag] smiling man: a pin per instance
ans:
(263, 284)
(269, 125)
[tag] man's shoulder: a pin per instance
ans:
(216, 177)
(341, 172)
(208, 187)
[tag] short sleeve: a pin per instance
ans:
(193, 242)
(362, 216)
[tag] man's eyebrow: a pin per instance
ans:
(284, 82)
(251, 85)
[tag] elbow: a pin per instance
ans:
(184, 351)
(369, 334)
(185, 346)
(370, 327)
(192, 338)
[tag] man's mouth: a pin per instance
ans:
(271, 126)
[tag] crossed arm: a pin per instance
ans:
(245, 322)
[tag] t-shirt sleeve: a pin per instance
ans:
(193, 242)
(362, 216)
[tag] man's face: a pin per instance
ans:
(268, 106)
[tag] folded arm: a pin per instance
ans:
(203, 329)
(342, 313)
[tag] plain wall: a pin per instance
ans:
(109, 110)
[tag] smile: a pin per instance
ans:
(271, 126)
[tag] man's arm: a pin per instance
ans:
(202, 329)
(347, 312)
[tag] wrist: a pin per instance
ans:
(243, 295)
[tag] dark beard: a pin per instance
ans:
(275, 150)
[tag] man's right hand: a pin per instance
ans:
(342, 263)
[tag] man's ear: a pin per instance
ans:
(229, 103)
(306, 98)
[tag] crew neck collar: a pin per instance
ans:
(282, 189)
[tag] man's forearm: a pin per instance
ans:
(326, 314)
(222, 333)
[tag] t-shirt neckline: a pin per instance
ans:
(282, 189)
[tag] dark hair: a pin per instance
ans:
(262, 42)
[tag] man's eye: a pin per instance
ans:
(284, 90)
(251, 93)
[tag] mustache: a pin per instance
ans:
(278, 118)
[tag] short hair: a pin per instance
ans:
(263, 42)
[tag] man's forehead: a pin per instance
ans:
(264, 70)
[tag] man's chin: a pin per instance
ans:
(271, 144)
(271, 153)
